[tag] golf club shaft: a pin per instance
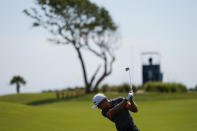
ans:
(130, 81)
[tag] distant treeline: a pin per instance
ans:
(68, 92)
(148, 87)
(118, 88)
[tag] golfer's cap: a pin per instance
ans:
(97, 99)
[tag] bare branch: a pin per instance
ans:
(94, 75)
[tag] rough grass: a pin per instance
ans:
(171, 112)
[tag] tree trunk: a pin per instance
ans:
(88, 89)
(17, 88)
(87, 85)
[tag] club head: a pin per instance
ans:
(126, 69)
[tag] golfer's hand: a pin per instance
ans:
(130, 95)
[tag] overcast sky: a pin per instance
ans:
(166, 26)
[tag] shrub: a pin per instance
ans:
(105, 88)
(125, 87)
(134, 87)
(164, 87)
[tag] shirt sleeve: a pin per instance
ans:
(120, 99)
(107, 113)
(128, 105)
(116, 101)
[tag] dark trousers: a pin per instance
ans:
(133, 128)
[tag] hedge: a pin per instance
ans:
(164, 87)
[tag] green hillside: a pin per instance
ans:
(42, 111)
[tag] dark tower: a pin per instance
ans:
(151, 69)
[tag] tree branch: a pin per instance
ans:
(106, 72)
(94, 75)
(82, 65)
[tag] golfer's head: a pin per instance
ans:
(99, 100)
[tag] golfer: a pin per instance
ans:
(117, 110)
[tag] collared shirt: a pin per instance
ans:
(123, 119)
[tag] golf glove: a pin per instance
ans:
(130, 95)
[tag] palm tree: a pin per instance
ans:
(18, 80)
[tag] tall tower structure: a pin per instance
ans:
(151, 70)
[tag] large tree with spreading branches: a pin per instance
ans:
(83, 25)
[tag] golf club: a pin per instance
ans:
(128, 69)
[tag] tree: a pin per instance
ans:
(83, 25)
(18, 80)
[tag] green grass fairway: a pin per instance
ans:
(41, 112)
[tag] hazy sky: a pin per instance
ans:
(166, 26)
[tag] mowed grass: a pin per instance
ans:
(171, 112)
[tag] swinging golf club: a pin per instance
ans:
(128, 69)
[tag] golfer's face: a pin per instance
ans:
(104, 104)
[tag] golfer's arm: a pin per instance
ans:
(133, 106)
(117, 108)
